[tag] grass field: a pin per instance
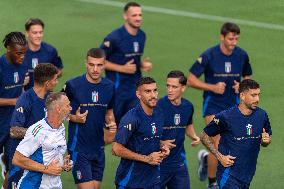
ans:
(174, 40)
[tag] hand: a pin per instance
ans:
(112, 127)
(146, 65)
(265, 138)
(81, 118)
(195, 141)
(219, 88)
(27, 79)
(68, 164)
(236, 86)
(54, 168)
(129, 67)
(165, 151)
(168, 143)
(155, 158)
(227, 160)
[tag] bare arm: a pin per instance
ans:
(190, 132)
(226, 161)
(154, 158)
(128, 68)
(25, 163)
(196, 83)
(8, 101)
(17, 132)
(109, 133)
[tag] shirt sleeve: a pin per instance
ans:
(56, 59)
(20, 114)
(199, 65)
(68, 90)
(190, 121)
(247, 71)
(108, 46)
(32, 140)
(126, 128)
(267, 126)
(217, 126)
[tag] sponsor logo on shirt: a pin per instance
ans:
(16, 77)
(34, 62)
(228, 67)
(154, 129)
(20, 109)
(177, 119)
(249, 129)
(95, 96)
(136, 46)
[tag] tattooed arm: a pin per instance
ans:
(207, 141)
(18, 132)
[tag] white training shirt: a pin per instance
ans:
(43, 144)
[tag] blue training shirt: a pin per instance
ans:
(11, 86)
(46, 54)
(88, 138)
(241, 138)
(177, 118)
(141, 134)
(218, 67)
(121, 47)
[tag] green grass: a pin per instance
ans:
(173, 42)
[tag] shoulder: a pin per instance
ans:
(106, 81)
(186, 103)
(162, 101)
(76, 80)
(115, 34)
(38, 130)
(260, 111)
(132, 116)
(240, 51)
(48, 48)
(141, 33)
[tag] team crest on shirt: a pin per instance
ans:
(136, 46)
(79, 175)
(16, 77)
(177, 119)
(249, 129)
(154, 129)
(228, 67)
(95, 96)
(34, 62)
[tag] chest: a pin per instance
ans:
(131, 46)
(55, 142)
(13, 77)
(33, 59)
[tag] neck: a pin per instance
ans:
(91, 80)
(148, 110)
(33, 47)
(130, 29)
(176, 102)
(40, 91)
(225, 50)
(244, 109)
(54, 121)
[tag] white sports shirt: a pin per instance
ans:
(42, 144)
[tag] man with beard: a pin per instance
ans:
(124, 48)
(29, 109)
(243, 128)
(12, 80)
(137, 141)
(92, 123)
(39, 52)
(223, 65)
(41, 151)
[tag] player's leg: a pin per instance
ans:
(180, 179)
(98, 166)
(4, 158)
(226, 181)
(82, 170)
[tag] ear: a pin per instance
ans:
(124, 16)
(138, 94)
(222, 37)
(242, 96)
(183, 88)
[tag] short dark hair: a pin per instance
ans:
(14, 38)
(179, 75)
(130, 4)
(96, 53)
(33, 21)
(247, 84)
(52, 99)
(230, 27)
(144, 80)
(44, 72)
